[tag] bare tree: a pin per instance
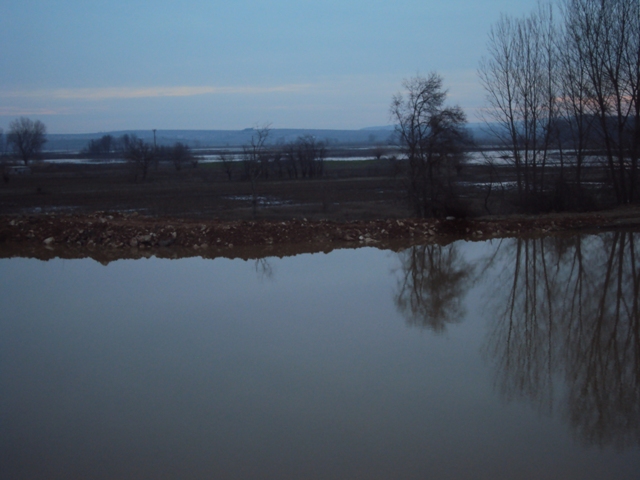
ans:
(520, 78)
(26, 138)
(604, 36)
(104, 146)
(254, 158)
(576, 106)
(180, 155)
(310, 154)
(378, 152)
(290, 160)
(433, 136)
(139, 154)
(575, 81)
(121, 144)
(227, 161)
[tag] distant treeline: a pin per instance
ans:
(302, 158)
(228, 138)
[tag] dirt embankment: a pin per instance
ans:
(122, 235)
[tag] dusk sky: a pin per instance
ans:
(89, 66)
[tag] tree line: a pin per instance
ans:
(562, 87)
(140, 154)
(302, 158)
(565, 80)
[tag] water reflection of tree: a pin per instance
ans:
(521, 339)
(264, 269)
(604, 359)
(433, 282)
(571, 312)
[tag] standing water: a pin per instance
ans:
(501, 359)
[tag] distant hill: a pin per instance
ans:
(235, 138)
(225, 138)
(387, 128)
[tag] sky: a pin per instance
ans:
(85, 66)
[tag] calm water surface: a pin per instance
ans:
(504, 359)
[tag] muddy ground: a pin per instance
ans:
(366, 191)
(75, 211)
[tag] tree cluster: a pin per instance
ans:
(302, 158)
(567, 85)
(140, 154)
(433, 138)
(179, 154)
(105, 146)
(261, 160)
(26, 138)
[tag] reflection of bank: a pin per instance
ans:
(432, 285)
(569, 309)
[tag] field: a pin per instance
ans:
(348, 190)
(353, 190)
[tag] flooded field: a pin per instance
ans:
(499, 359)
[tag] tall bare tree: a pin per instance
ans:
(255, 156)
(604, 35)
(310, 154)
(227, 159)
(26, 138)
(180, 155)
(572, 81)
(432, 136)
(139, 154)
(103, 146)
(576, 107)
(520, 79)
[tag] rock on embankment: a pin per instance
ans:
(125, 231)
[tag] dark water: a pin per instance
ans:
(512, 359)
